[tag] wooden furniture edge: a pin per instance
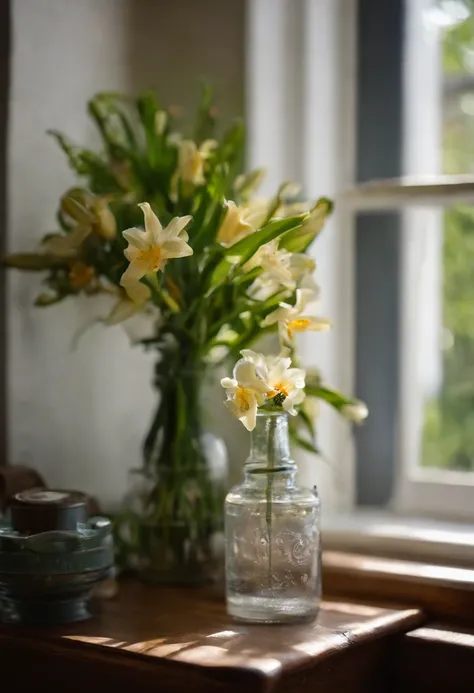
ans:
(440, 590)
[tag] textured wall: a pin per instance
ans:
(79, 416)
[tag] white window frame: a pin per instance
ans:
(421, 197)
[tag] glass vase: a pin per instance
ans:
(171, 527)
(272, 529)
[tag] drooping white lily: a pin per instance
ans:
(285, 384)
(149, 250)
(191, 160)
(245, 392)
(293, 319)
(234, 225)
(356, 411)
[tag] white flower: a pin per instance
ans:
(356, 412)
(191, 160)
(234, 226)
(245, 392)
(285, 385)
(274, 262)
(149, 250)
(301, 266)
(282, 270)
(293, 319)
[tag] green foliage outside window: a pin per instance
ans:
(448, 436)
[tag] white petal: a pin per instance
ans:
(136, 238)
(251, 355)
(176, 226)
(176, 248)
(278, 315)
(229, 384)
(303, 297)
(250, 418)
(295, 397)
(296, 376)
(134, 272)
(152, 224)
(318, 324)
(232, 406)
(137, 292)
(131, 253)
(244, 372)
(208, 146)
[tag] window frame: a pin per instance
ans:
(384, 478)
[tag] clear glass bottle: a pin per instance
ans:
(272, 527)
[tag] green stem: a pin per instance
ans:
(268, 492)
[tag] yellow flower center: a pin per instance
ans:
(282, 389)
(298, 325)
(243, 399)
(153, 257)
(80, 275)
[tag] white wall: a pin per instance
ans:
(79, 417)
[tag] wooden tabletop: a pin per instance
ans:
(184, 640)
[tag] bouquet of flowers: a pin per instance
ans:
(170, 227)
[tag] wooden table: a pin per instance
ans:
(181, 640)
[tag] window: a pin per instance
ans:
(419, 455)
(381, 93)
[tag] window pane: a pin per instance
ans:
(447, 317)
(440, 250)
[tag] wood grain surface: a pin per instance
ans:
(150, 639)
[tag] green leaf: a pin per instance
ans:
(205, 121)
(31, 262)
(47, 299)
(70, 150)
(299, 239)
(333, 397)
(304, 444)
(305, 420)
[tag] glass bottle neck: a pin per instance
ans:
(270, 449)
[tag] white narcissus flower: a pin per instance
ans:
(149, 250)
(293, 319)
(274, 262)
(191, 160)
(282, 270)
(356, 411)
(234, 225)
(285, 384)
(245, 392)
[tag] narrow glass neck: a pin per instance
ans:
(269, 446)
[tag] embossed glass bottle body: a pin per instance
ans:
(272, 534)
